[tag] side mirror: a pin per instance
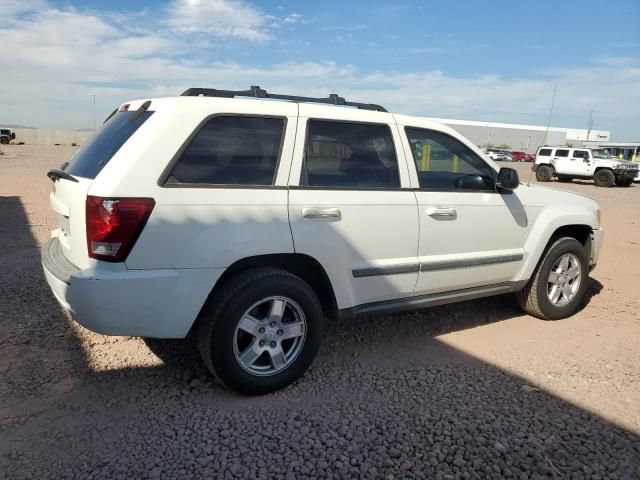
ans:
(13, 135)
(507, 179)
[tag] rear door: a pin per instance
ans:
(350, 203)
(561, 161)
(68, 197)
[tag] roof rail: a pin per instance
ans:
(257, 92)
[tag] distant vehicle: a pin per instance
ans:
(518, 156)
(6, 136)
(499, 155)
(567, 163)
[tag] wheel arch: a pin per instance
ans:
(542, 237)
(301, 265)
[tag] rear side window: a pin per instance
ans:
(349, 155)
(96, 153)
(562, 153)
(544, 152)
(231, 150)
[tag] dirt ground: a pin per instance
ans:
(441, 393)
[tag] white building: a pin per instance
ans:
(526, 138)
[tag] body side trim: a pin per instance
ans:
(468, 262)
(386, 270)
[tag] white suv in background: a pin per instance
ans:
(567, 163)
(252, 220)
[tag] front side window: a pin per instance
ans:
(231, 150)
(442, 162)
(349, 155)
(562, 153)
(545, 152)
(580, 154)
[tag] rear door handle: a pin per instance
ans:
(321, 213)
(442, 212)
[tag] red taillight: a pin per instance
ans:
(114, 224)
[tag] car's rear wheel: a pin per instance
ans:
(544, 173)
(626, 182)
(557, 288)
(564, 178)
(4, 141)
(604, 178)
(261, 331)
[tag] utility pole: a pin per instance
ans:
(553, 101)
(94, 112)
(589, 124)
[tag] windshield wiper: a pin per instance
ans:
(56, 174)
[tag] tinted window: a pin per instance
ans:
(580, 154)
(96, 153)
(344, 154)
(544, 152)
(232, 150)
(562, 153)
(442, 162)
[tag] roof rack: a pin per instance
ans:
(257, 92)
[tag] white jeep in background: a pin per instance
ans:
(250, 221)
(567, 163)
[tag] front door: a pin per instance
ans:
(581, 163)
(350, 205)
(470, 234)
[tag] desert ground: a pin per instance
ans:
(472, 390)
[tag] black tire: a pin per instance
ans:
(533, 297)
(4, 141)
(544, 173)
(564, 178)
(222, 313)
(604, 178)
(624, 182)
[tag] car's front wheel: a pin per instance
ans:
(559, 283)
(261, 331)
(604, 178)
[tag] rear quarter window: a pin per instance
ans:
(110, 137)
(544, 152)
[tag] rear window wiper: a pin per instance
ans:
(56, 174)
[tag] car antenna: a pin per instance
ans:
(544, 140)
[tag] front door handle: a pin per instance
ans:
(442, 212)
(321, 213)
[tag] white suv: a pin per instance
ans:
(251, 221)
(567, 163)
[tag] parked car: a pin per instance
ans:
(250, 222)
(567, 163)
(499, 155)
(518, 156)
(6, 136)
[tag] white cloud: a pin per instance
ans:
(221, 18)
(62, 57)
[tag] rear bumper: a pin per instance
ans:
(112, 300)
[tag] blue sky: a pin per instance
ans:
(487, 61)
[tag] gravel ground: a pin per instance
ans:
(474, 390)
